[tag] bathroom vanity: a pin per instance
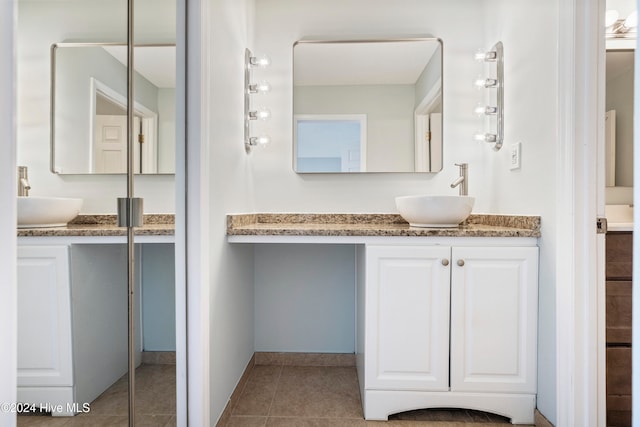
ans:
(445, 317)
(72, 310)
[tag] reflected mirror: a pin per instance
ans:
(367, 106)
(88, 108)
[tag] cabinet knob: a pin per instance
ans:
(445, 262)
(460, 262)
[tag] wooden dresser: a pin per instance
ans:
(618, 320)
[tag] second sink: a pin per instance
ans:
(47, 211)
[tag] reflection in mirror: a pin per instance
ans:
(619, 117)
(88, 108)
(367, 106)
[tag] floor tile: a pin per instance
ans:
(41, 421)
(246, 421)
(257, 397)
(314, 422)
(155, 403)
(320, 392)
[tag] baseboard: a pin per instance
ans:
(540, 420)
(305, 359)
(159, 357)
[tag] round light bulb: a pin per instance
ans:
(263, 114)
(485, 137)
(260, 61)
(480, 55)
(485, 110)
(261, 140)
(479, 136)
(262, 87)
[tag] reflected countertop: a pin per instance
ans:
(104, 225)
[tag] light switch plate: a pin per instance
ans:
(515, 155)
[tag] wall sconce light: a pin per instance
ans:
(494, 83)
(263, 87)
(620, 27)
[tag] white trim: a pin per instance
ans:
(600, 331)
(198, 204)
(180, 219)
(576, 208)
(635, 353)
(430, 99)
(422, 124)
(149, 119)
(8, 193)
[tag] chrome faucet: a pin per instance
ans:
(462, 180)
(23, 182)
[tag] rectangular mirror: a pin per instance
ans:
(88, 108)
(367, 106)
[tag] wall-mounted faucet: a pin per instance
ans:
(462, 180)
(23, 182)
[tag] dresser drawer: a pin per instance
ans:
(619, 386)
(619, 247)
(618, 314)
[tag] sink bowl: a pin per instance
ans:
(47, 211)
(434, 211)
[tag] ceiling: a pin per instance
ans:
(156, 63)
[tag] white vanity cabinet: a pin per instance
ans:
(45, 370)
(406, 324)
(447, 326)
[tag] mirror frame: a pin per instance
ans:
(52, 129)
(369, 40)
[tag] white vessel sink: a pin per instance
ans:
(434, 211)
(47, 211)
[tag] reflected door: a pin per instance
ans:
(110, 144)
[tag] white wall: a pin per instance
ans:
(229, 181)
(305, 307)
(528, 32)
(42, 23)
(8, 255)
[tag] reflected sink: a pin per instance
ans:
(47, 211)
(434, 211)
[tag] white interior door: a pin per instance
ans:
(110, 146)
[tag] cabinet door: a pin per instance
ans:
(407, 318)
(44, 316)
(494, 300)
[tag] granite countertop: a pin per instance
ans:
(105, 225)
(310, 224)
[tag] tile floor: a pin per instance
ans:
(155, 403)
(320, 396)
(274, 396)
